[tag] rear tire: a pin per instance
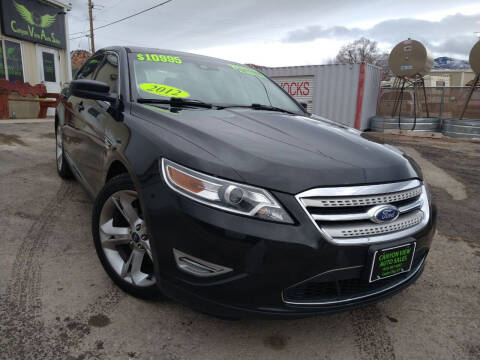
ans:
(63, 168)
(121, 238)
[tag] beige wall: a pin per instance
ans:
(24, 109)
(431, 80)
(453, 78)
(457, 78)
(30, 64)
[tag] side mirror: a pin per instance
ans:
(304, 104)
(91, 89)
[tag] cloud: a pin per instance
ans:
(315, 32)
(460, 45)
(453, 34)
(275, 53)
(187, 24)
(252, 30)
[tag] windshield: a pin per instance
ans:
(164, 76)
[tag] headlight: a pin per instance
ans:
(221, 194)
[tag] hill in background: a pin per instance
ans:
(449, 63)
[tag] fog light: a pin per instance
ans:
(198, 267)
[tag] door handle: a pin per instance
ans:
(80, 107)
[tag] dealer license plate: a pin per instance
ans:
(392, 261)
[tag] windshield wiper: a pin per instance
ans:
(259, 107)
(176, 102)
(271, 108)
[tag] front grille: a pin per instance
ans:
(363, 200)
(367, 228)
(314, 292)
(342, 214)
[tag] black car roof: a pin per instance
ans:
(137, 49)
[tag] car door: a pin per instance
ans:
(101, 115)
(76, 129)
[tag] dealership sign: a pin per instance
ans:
(301, 88)
(296, 88)
(33, 21)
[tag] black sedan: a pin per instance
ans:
(216, 188)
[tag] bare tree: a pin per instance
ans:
(363, 50)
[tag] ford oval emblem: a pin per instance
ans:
(383, 213)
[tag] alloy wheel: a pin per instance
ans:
(125, 240)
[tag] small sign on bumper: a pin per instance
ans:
(392, 261)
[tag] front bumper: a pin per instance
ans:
(267, 258)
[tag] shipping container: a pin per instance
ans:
(344, 93)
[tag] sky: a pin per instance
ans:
(279, 32)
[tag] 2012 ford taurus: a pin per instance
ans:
(216, 188)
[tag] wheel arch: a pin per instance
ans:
(117, 165)
(115, 168)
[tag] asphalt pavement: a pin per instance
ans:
(56, 301)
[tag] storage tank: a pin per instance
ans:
(344, 93)
(467, 128)
(474, 58)
(410, 58)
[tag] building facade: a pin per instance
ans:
(439, 78)
(34, 45)
(455, 77)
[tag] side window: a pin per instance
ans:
(88, 69)
(13, 52)
(108, 72)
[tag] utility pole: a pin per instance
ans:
(92, 39)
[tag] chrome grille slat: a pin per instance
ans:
(341, 214)
(362, 200)
(341, 217)
(363, 215)
(369, 228)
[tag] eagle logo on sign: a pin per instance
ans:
(44, 21)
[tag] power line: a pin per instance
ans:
(122, 19)
(80, 37)
(128, 17)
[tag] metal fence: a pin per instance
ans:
(442, 102)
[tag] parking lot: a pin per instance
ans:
(56, 301)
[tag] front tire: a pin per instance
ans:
(121, 238)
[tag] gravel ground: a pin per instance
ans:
(57, 302)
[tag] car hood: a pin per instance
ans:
(283, 152)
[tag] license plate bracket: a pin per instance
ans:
(392, 261)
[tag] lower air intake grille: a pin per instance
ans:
(322, 293)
